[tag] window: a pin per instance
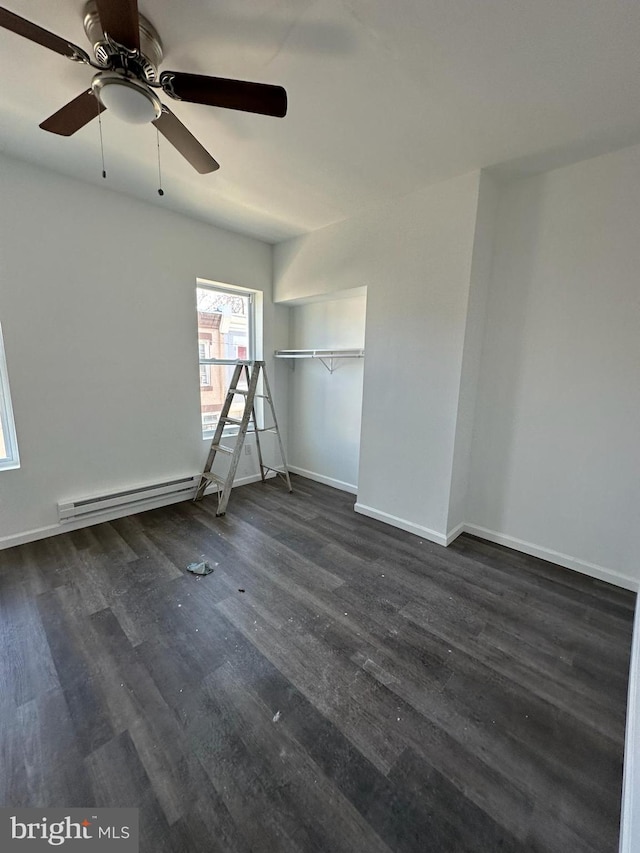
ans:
(8, 444)
(226, 334)
(205, 376)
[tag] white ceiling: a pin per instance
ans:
(384, 96)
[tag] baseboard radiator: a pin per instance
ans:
(83, 507)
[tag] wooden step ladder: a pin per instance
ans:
(251, 371)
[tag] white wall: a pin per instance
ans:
(97, 303)
(414, 256)
(555, 460)
(325, 408)
(481, 267)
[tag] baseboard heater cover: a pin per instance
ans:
(81, 507)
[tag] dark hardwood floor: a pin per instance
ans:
(335, 684)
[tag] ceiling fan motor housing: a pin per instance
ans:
(142, 64)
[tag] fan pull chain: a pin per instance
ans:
(160, 190)
(104, 173)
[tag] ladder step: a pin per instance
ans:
(222, 448)
(213, 478)
(228, 420)
(245, 391)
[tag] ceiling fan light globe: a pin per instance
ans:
(127, 99)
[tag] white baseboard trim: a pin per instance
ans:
(565, 560)
(109, 515)
(328, 481)
(409, 526)
(582, 566)
(453, 534)
(630, 817)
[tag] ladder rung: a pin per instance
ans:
(222, 448)
(245, 391)
(213, 478)
(228, 420)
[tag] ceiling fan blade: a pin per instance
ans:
(119, 19)
(74, 115)
(220, 92)
(185, 142)
(33, 32)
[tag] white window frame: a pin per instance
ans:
(12, 459)
(252, 347)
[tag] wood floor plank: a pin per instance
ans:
(443, 818)
(26, 666)
(323, 818)
(235, 773)
(62, 615)
(365, 786)
(332, 684)
(55, 773)
(13, 778)
(335, 684)
(207, 827)
(553, 687)
(118, 779)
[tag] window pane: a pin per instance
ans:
(224, 330)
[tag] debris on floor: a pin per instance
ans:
(276, 716)
(199, 568)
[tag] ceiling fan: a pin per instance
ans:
(128, 51)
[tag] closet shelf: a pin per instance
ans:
(326, 356)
